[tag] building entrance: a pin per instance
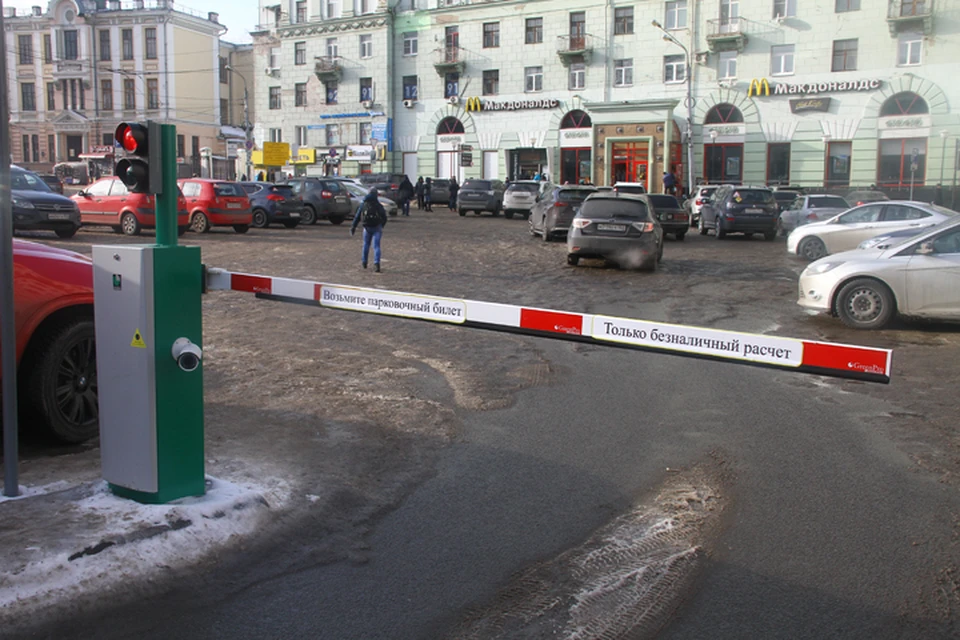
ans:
(630, 162)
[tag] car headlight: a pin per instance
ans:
(823, 267)
(20, 203)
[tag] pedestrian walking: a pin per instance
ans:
(669, 182)
(454, 190)
(419, 191)
(374, 219)
(428, 194)
(404, 194)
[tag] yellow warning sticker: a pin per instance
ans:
(138, 340)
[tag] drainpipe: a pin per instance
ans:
(390, 88)
(606, 63)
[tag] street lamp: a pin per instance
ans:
(668, 37)
(247, 129)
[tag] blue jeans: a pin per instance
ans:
(371, 233)
(406, 207)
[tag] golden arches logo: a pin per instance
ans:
(474, 104)
(759, 87)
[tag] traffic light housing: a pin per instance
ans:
(142, 170)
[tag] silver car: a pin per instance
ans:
(359, 192)
(520, 197)
(807, 209)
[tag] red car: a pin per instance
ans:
(216, 203)
(56, 354)
(108, 202)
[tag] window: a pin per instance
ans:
(333, 135)
(674, 69)
(623, 72)
(150, 38)
(35, 147)
(129, 94)
(844, 55)
(723, 113)
(905, 103)
(106, 94)
(274, 97)
(778, 163)
(491, 35)
(26, 148)
(300, 94)
(51, 96)
(534, 32)
(781, 60)
(224, 73)
(366, 6)
(533, 79)
(909, 46)
(300, 135)
(784, 8)
(28, 101)
(676, 17)
(366, 89)
(276, 135)
(299, 53)
(622, 21)
(451, 85)
(333, 49)
(52, 146)
(491, 82)
(410, 88)
(728, 65)
(82, 93)
(848, 5)
(71, 49)
(301, 11)
(126, 40)
(410, 44)
(366, 132)
(838, 164)
(274, 57)
(366, 46)
(48, 50)
(332, 92)
(333, 8)
(181, 146)
(153, 93)
(25, 49)
(224, 111)
(578, 75)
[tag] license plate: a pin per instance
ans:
(58, 216)
(234, 205)
(294, 215)
(611, 227)
(753, 210)
(339, 199)
(679, 216)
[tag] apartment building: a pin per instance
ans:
(83, 66)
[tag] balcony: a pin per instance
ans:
(910, 16)
(328, 68)
(449, 60)
(574, 45)
(726, 34)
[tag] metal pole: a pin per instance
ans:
(689, 126)
(8, 338)
(166, 202)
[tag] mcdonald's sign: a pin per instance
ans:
(474, 104)
(759, 87)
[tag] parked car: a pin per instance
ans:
(618, 227)
(36, 208)
(670, 214)
(272, 204)
(865, 196)
(439, 191)
(216, 203)
(739, 209)
(359, 192)
(321, 198)
(695, 202)
(915, 277)
(54, 182)
(555, 208)
(807, 209)
(479, 196)
(785, 198)
(56, 355)
(519, 198)
(108, 202)
(847, 230)
(635, 188)
(887, 240)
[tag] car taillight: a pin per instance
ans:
(811, 216)
(275, 197)
(699, 202)
(645, 227)
(394, 187)
(326, 195)
(860, 203)
(559, 204)
(580, 223)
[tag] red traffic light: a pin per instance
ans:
(133, 137)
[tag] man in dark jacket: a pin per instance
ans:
(419, 190)
(454, 189)
(405, 193)
(374, 219)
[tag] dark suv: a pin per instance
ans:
(480, 195)
(740, 209)
(36, 207)
(321, 198)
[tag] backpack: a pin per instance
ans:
(371, 217)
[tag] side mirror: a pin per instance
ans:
(925, 248)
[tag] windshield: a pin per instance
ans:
(227, 189)
(574, 195)
(479, 185)
(663, 202)
(752, 196)
(785, 196)
(834, 202)
(610, 208)
(623, 188)
(283, 190)
(26, 181)
(526, 188)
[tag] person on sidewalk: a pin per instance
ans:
(405, 194)
(374, 219)
(454, 190)
(669, 182)
(428, 195)
(419, 191)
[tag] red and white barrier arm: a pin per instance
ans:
(806, 356)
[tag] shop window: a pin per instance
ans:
(778, 163)
(902, 162)
(723, 163)
(722, 114)
(838, 164)
(906, 103)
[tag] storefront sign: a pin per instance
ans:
(761, 87)
(576, 138)
(479, 104)
(360, 114)
(302, 156)
(891, 127)
(450, 141)
(805, 105)
(360, 152)
(101, 149)
(724, 133)
(275, 154)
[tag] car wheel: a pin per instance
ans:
(130, 225)
(508, 215)
(241, 228)
(812, 248)
(182, 229)
(200, 223)
(680, 235)
(259, 218)
(701, 227)
(291, 224)
(462, 212)
(336, 220)
(719, 231)
(770, 235)
(309, 215)
(66, 233)
(865, 304)
(573, 260)
(63, 381)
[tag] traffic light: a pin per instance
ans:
(142, 171)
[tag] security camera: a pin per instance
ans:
(187, 354)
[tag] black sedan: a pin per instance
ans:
(272, 204)
(617, 227)
(670, 214)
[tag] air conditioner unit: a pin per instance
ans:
(367, 104)
(702, 57)
(408, 103)
(270, 71)
(453, 100)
